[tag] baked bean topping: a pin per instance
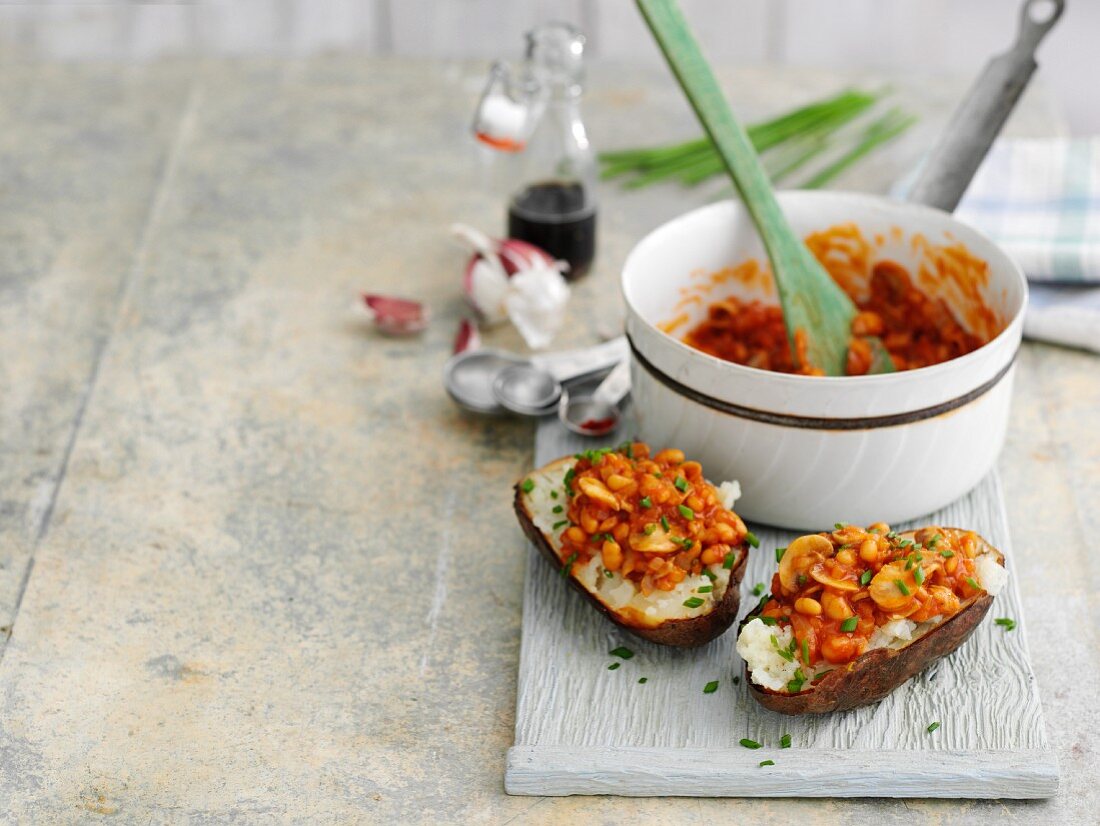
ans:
(834, 589)
(654, 519)
(917, 330)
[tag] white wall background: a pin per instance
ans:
(930, 35)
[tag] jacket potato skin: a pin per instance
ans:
(690, 632)
(873, 675)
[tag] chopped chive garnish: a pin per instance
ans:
(909, 564)
(905, 543)
(558, 508)
(866, 577)
(785, 654)
(710, 687)
(681, 484)
(1006, 623)
(806, 651)
(785, 741)
(839, 525)
(686, 512)
(645, 502)
(623, 652)
(932, 542)
(664, 522)
(692, 602)
(737, 681)
(608, 574)
(613, 666)
(931, 728)
(727, 563)
(769, 620)
(749, 744)
(704, 589)
(918, 576)
(795, 685)
(709, 574)
(767, 763)
(568, 566)
(947, 554)
(758, 589)
(643, 680)
(973, 583)
(779, 554)
(901, 587)
(820, 676)
(559, 524)
(752, 539)
(553, 494)
(528, 485)
(649, 528)
(849, 624)
(801, 579)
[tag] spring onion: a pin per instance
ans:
(645, 502)
(693, 602)
(727, 563)
(866, 577)
(681, 484)
(750, 744)
(849, 624)
(767, 763)
(686, 512)
(710, 687)
(752, 539)
(623, 652)
(785, 741)
(901, 587)
(932, 727)
(1005, 623)
(528, 485)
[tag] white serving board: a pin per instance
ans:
(582, 729)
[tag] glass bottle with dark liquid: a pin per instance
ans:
(558, 217)
(552, 167)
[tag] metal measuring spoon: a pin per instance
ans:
(469, 377)
(597, 414)
(532, 388)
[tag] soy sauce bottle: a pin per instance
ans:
(553, 203)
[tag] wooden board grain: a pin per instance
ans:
(584, 729)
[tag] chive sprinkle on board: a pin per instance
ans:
(785, 741)
(1005, 623)
(623, 652)
(767, 763)
(749, 744)
(613, 666)
(710, 687)
(933, 727)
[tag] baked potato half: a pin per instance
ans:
(647, 540)
(855, 613)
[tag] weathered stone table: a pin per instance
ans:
(254, 562)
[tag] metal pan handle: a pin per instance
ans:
(957, 155)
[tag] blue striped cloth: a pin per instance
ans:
(1039, 200)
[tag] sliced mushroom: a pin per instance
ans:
(659, 541)
(802, 555)
(886, 591)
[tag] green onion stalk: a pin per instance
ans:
(787, 144)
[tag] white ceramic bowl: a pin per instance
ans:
(810, 451)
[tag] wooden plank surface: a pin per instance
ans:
(582, 729)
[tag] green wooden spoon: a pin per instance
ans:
(812, 302)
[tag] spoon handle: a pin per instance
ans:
(971, 131)
(812, 302)
(728, 136)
